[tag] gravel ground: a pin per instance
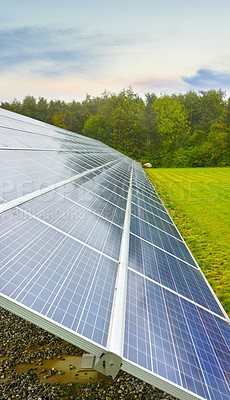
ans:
(22, 343)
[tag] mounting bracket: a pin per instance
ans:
(108, 364)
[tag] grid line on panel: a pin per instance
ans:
(53, 168)
(177, 293)
(87, 297)
(100, 197)
(146, 176)
(157, 227)
(92, 211)
(212, 366)
(145, 300)
(177, 275)
(31, 177)
(151, 212)
(160, 248)
(37, 193)
(90, 186)
(157, 204)
(28, 132)
(103, 184)
(172, 273)
(150, 196)
(144, 184)
(68, 235)
(153, 235)
(62, 285)
(218, 341)
(136, 200)
(131, 347)
(192, 374)
(170, 221)
(67, 166)
(161, 239)
(80, 223)
(39, 125)
(14, 183)
(171, 333)
(21, 248)
(55, 267)
(149, 329)
(41, 265)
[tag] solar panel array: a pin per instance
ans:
(65, 200)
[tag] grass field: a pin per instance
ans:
(198, 200)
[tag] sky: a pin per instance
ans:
(65, 49)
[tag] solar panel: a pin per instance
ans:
(89, 253)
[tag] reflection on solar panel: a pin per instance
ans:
(89, 252)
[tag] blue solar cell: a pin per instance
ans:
(118, 176)
(97, 199)
(219, 342)
(189, 365)
(14, 184)
(59, 278)
(148, 341)
(85, 161)
(100, 180)
(155, 220)
(110, 196)
(76, 221)
(20, 163)
(142, 191)
(152, 208)
(55, 162)
(104, 209)
(21, 139)
(172, 273)
(161, 239)
(149, 199)
(210, 348)
(115, 182)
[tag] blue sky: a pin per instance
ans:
(65, 49)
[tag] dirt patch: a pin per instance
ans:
(65, 370)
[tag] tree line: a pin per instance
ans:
(178, 130)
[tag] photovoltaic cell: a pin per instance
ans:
(179, 347)
(155, 220)
(78, 222)
(15, 184)
(13, 138)
(59, 278)
(151, 199)
(171, 272)
(211, 349)
(148, 341)
(62, 260)
(152, 208)
(160, 239)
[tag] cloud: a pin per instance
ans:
(52, 52)
(158, 84)
(206, 78)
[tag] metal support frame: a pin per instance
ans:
(110, 362)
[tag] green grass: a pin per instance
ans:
(198, 200)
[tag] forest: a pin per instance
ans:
(177, 130)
